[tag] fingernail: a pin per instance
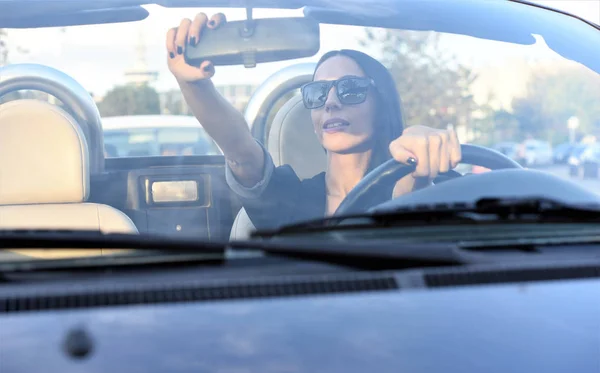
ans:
(172, 55)
(211, 23)
(179, 50)
(193, 40)
(411, 161)
(208, 68)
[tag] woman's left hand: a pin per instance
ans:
(434, 151)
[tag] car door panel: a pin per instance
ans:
(175, 196)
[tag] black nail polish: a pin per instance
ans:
(411, 161)
(207, 68)
(179, 50)
(172, 55)
(211, 23)
(193, 40)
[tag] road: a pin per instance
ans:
(563, 171)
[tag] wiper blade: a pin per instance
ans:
(82, 239)
(487, 210)
(371, 255)
(376, 255)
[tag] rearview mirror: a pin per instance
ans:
(256, 41)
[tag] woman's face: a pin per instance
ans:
(356, 132)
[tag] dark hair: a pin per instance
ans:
(389, 122)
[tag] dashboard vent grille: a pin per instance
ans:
(195, 293)
(509, 275)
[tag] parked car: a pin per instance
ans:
(575, 160)
(590, 161)
(534, 153)
(155, 135)
(561, 152)
(507, 148)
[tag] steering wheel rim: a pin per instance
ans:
(392, 171)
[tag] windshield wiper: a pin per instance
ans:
(487, 210)
(165, 250)
(375, 254)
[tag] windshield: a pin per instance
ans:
(288, 139)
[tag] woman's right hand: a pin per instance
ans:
(190, 32)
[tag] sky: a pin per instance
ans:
(98, 55)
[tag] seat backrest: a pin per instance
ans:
(291, 141)
(44, 173)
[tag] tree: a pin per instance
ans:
(3, 47)
(553, 97)
(3, 60)
(130, 100)
(492, 124)
(173, 103)
(433, 86)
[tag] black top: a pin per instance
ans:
(287, 199)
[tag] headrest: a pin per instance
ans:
(43, 155)
(292, 140)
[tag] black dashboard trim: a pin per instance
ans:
(199, 291)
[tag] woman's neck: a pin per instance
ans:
(344, 171)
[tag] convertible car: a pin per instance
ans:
(150, 263)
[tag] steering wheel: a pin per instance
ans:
(388, 173)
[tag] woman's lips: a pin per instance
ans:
(335, 125)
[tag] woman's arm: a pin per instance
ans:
(218, 117)
(228, 128)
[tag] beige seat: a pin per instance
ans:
(44, 173)
(291, 141)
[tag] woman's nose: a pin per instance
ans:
(332, 101)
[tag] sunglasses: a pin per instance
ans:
(350, 91)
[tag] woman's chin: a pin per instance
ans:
(344, 143)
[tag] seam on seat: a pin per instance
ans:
(234, 234)
(98, 218)
(281, 131)
(280, 128)
(99, 225)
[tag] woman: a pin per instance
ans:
(356, 115)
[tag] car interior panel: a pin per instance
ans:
(207, 216)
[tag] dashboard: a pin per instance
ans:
(492, 319)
